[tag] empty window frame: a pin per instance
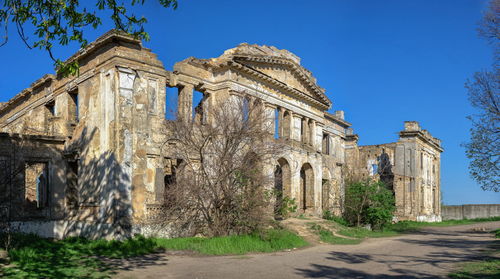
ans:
(302, 130)
(36, 182)
(199, 108)
(51, 108)
(74, 106)
(326, 144)
(171, 103)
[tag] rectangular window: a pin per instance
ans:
(36, 183)
(326, 144)
(51, 108)
(74, 106)
(171, 103)
(198, 108)
(302, 130)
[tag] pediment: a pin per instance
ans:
(277, 67)
(286, 73)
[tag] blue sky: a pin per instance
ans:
(382, 62)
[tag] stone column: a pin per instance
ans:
(281, 113)
(291, 125)
(185, 102)
(305, 130)
(312, 134)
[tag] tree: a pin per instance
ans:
(368, 202)
(483, 90)
(220, 182)
(64, 21)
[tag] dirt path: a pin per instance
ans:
(431, 253)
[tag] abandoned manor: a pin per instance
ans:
(87, 154)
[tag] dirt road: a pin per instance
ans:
(431, 253)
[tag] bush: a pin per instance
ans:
(368, 202)
(286, 207)
(328, 215)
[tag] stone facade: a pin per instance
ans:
(94, 154)
(410, 167)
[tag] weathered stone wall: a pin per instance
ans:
(410, 167)
(101, 137)
(470, 211)
(26, 160)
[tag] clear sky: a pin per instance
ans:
(382, 62)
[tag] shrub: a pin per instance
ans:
(368, 202)
(328, 215)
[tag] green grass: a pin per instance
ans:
(35, 257)
(328, 237)
(488, 268)
(268, 241)
(364, 233)
(410, 226)
(404, 227)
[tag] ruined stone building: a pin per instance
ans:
(86, 154)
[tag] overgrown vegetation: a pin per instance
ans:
(411, 226)
(368, 202)
(488, 269)
(35, 257)
(264, 241)
(286, 206)
(219, 184)
(328, 215)
(390, 229)
(497, 233)
(327, 236)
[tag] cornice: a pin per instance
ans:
(422, 136)
(282, 86)
(306, 78)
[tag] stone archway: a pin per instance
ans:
(306, 187)
(282, 181)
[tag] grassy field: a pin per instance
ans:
(268, 241)
(34, 257)
(487, 269)
(404, 227)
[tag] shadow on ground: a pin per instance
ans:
(403, 266)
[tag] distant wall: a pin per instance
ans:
(470, 211)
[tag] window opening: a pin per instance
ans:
(51, 108)
(75, 105)
(36, 184)
(171, 103)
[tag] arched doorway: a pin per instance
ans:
(282, 177)
(306, 187)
